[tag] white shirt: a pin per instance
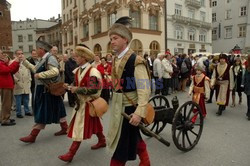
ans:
(85, 65)
(123, 53)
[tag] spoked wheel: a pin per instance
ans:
(158, 102)
(187, 126)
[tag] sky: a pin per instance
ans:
(39, 9)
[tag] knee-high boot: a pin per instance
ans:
(63, 131)
(101, 141)
(143, 154)
(68, 157)
(114, 162)
(32, 137)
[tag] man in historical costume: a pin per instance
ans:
(87, 87)
(47, 107)
(200, 88)
(220, 81)
(129, 76)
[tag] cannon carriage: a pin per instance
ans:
(186, 120)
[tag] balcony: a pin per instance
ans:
(193, 3)
(191, 21)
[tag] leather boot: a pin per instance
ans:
(101, 141)
(63, 131)
(117, 163)
(219, 112)
(68, 157)
(143, 154)
(32, 137)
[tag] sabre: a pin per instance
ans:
(159, 138)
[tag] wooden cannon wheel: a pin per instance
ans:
(187, 126)
(158, 102)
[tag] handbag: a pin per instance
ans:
(97, 107)
(56, 89)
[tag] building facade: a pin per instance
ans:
(231, 25)
(52, 35)
(5, 27)
(88, 22)
(189, 26)
(24, 33)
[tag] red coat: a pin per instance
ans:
(103, 69)
(6, 71)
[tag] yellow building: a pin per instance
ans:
(88, 22)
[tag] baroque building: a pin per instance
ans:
(88, 22)
(189, 26)
(231, 25)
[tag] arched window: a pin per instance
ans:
(109, 49)
(202, 36)
(191, 34)
(179, 32)
(154, 48)
(136, 45)
(98, 50)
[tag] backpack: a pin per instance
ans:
(184, 68)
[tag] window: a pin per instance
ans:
(178, 32)
(228, 14)
(111, 19)
(75, 22)
(3, 48)
(71, 37)
(136, 15)
(191, 13)
(86, 30)
(20, 47)
(67, 3)
(214, 17)
(203, 16)
(63, 4)
(70, 14)
(191, 35)
(203, 3)
(154, 48)
(70, 1)
(242, 30)
(20, 38)
(136, 46)
(1, 13)
(65, 38)
(228, 32)
(202, 36)
(214, 3)
(153, 22)
(214, 34)
(243, 11)
(84, 4)
(97, 26)
(178, 9)
(75, 3)
(30, 38)
(30, 48)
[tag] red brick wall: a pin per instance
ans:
(5, 27)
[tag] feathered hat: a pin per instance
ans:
(121, 28)
(84, 51)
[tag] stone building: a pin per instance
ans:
(5, 27)
(231, 25)
(88, 22)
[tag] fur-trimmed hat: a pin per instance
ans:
(84, 51)
(198, 67)
(44, 45)
(120, 27)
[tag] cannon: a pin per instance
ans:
(186, 120)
